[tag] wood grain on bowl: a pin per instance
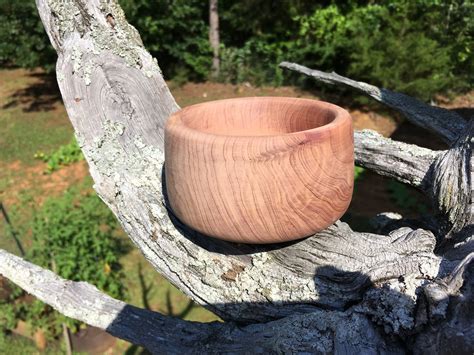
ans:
(260, 169)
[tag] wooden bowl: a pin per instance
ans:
(259, 169)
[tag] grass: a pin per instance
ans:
(23, 134)
(18, 345)
(31, 117)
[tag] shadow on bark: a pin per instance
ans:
(390, 320)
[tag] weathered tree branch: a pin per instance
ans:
(118, 117)
(317, 332)
(323, 290)
(449, 308)
(447, 124)
(452, 189)
(321, 331)
(404, 162)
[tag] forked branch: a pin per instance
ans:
(118, 103)
(447, 179)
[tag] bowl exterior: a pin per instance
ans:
(260, 189)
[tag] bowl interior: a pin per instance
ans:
(257, 116)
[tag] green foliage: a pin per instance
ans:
(257, 62)
(397, 52)
(176, 32)
(420, 47)
(16, 344)
(406, 199)
(8, 311)
(358, 175)
(64, 155)
(358, 171)
(321, 38)
(23, 41)
(75, 232)
(417, 47)
(74, 236)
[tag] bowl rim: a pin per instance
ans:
(341, 116)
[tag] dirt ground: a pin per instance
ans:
(39, 183)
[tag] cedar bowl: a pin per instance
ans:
(259, 169)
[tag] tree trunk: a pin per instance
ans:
(406, 289)
(214, 36)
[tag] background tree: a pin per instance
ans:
(214, 36)
(409, 287)
(420, 47)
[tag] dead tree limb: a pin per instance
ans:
(170, 335)
(321, 331)
(407, 163)
(300, 295)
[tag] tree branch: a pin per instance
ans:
(447, 124)
(404, 162)
(449, 309)
(452, 189)
(321, 331)
(445, 176)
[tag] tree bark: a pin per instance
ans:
(214, 36)
(337, 291)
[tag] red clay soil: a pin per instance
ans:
(92, 340)
(24, 178)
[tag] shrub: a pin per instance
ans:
(75, 232)
(23, 41)
(420, 47)
(64, 155)
(257, 62)
(8, 312)
(175, 32)
(390, 50)
(417, 47)
(74, 236)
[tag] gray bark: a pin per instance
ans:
(337, 291)
(320, 331)
(407, 163)
(313, 332)
(449, 177)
